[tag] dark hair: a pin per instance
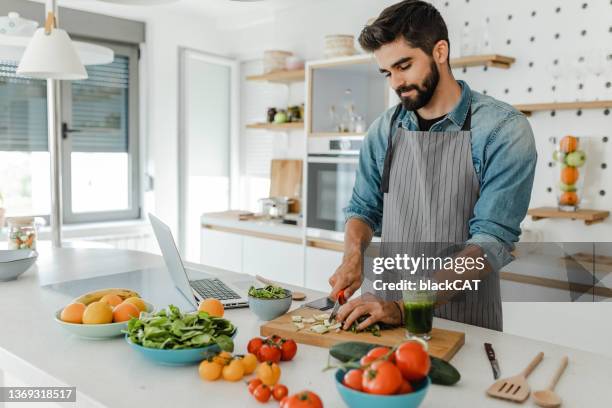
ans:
(417, 21)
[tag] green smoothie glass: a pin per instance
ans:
(418, 312)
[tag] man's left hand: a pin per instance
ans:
(368, 304)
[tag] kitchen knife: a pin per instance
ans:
(491, 356)
(340, 300)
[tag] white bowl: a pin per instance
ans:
(15, 262)
(96, 331)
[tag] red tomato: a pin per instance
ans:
(412, 360)
(383, 378)
(279, 392)
(275, 338)
(380, 352)
(353, 379)
(366, 360)
(254, 383)
(405, 388)
(254, 345)
(269, 352)
(303, 399)
(288, 349)
(262, 393)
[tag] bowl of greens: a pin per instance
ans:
(171, 337)
(269, 302)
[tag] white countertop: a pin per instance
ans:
(109, 373)
(229, 219)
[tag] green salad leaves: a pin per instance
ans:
(268, 292)
(175, 330)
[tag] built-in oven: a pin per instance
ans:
(331, 171)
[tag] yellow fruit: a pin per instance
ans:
(269, 373)
(138, 302)
(98, 313)
(95, 296)
(124, 312)
(73, 313)
(249, 361)
(234, 371)
(111, 299)
(212, 306)
(223, 358)
(209, 370)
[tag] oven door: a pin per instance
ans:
(330, 186)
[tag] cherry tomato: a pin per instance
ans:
(353, 379)
(405, 388)
(250, 363)
(279, 392)
(380, 352)
(254, 344)
(303, 399)
(383, 378)
(366, 360)
(269, 352)
(254, 383)
(275, 338)
(288, 349)
(262, 393)
(268, 373)
(209, 370)
(412, 361)
(234, 371)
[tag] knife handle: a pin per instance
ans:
(341, 298)
(490, 352)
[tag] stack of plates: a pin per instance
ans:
(339, 45)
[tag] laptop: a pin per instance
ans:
(195, 290)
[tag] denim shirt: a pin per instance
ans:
(504, 158)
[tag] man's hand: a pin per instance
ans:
(368, 304)
(347, 276)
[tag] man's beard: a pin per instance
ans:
(424, 93)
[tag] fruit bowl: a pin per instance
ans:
(358, 399)
(96, 331)
(177, 357)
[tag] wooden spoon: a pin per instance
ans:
(295, 295)
(515, 388)
(547, 398)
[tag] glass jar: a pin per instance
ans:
(22, 233)
(571, 156)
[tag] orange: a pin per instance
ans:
(73, 313)
(569, 144)
(212, 306)
(98, 313)
(569, 175)
(568, 198)
(138, 302)
(112, 300)
(125, 312)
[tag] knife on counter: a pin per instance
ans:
(492, 359)
(340, 300)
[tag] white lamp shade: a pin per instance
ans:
(51, 56)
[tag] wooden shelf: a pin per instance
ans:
(334, 134)
(492, 60)
(297, 75)
(529, 108)
(588, 216)
(277, 126)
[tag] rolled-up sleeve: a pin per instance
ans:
(505, 191)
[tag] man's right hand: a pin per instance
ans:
(347, 276)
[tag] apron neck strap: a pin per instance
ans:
(384, 185)
(467, 123)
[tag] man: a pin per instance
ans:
(448, 164)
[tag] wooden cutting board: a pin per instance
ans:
(444, 344)
(286, 178)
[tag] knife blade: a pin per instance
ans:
(340, 300)
(493, 360)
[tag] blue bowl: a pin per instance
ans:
(358, 399)
(268, 309)
(178, 357)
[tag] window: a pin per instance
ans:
(99, 142)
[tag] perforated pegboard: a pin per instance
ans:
(554, 43)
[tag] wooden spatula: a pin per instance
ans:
(515, 388)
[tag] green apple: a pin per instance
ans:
(558, 156)
(280, 117)
(567, 187)
(575, 159)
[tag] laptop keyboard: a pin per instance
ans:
(214, 288)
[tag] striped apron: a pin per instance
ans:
(430, 189)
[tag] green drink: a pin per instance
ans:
(418, 313)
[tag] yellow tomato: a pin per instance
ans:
(249, 361)
(234, 371)
(223, 358)
(269, 373)
(209, 370)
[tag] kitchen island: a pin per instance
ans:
(36, 351)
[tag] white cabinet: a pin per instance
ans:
(221, 249)
(320, 266)
(276, 260)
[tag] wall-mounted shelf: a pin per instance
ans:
(334, 134)
(492, 60)
(588, 216)
(277, 126)
(529, 108)
(297, 75)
